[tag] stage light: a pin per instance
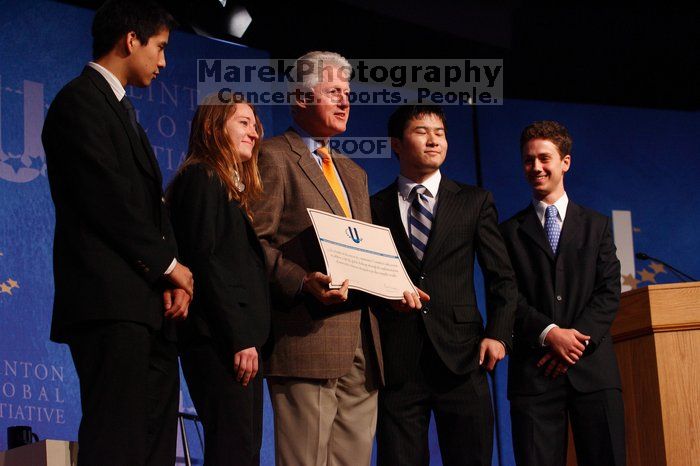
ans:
(239, 21)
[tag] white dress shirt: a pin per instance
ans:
(112, 80)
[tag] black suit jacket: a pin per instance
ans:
(231, 303)
(578, 288)
(113, 240)
(465, 225)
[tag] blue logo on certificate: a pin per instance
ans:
(353, 234)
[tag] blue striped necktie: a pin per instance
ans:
(551, 227)
(421, 220)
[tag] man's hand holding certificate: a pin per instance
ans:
(363, 256)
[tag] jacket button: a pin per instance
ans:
(425, 311)
(162, 199)
(558, 297)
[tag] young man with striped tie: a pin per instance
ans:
(563, 365)
(436, 358)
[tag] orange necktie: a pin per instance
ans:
(333, 181)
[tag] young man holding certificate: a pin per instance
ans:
(435, 359)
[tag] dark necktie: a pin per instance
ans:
(131, 113)
(551, 227)
(421, 220)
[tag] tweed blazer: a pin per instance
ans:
(309, 340)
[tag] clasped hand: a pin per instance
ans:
(177, 299)
(177, 303)
(566, 349)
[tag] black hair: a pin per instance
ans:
(115, 18)
(405, 113)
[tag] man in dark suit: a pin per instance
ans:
(117, 282)
(436, 359)
(563, 365)
(325, 365)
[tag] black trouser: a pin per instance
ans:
(129, 393)
(540, 426)
(231, 413)
(463, 416)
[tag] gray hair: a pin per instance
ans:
(310, 64)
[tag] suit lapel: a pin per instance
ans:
(153, 161)
(571, 229)
(447, 210)
(532, 227)
(391, 217)
(310, 167)
(137, 147)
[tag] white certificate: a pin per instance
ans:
(362, 253)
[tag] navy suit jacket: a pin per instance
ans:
(217, 242)
(465, 227)
(579, 288)
(113, 240)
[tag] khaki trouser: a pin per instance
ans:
(328, 422)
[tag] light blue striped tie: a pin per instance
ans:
(551, 227)
(421, 220)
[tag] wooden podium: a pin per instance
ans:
(657, 342)
(43, 453)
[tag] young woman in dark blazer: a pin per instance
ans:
(229, 319)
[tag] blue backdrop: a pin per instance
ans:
(645, 161)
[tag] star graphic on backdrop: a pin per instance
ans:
(16, 163)
(5, 289)
(12, 283)
(630, 281)
(36, 163)
(647, 276)
(636, 230)
(657, 268)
